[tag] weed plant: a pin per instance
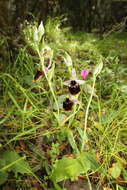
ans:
(52, 130)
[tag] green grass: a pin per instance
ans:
(32, 119)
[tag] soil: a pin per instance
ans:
(79, 185)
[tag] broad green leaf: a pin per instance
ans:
(116, 170)
(98, 68)
(71, 168)
(15, 163)
(72, 140)
(82, 159)
(66, 168)
(88, 161)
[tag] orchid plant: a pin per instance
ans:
(71, 101)
(35, 38)
(74, 88)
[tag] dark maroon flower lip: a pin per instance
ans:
(68, 104)
(38, 75)
(74, 87)
(73, 83)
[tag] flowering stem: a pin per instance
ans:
(86, 115)
(49, 83)
(74, 112)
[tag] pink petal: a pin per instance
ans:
(84, 74)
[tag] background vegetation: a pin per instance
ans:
(81, 15)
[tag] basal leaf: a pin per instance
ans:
(88, 161)
(72, 140)
(16, 163)
(71, 168)
(66, 168)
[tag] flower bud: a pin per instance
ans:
(40, 31)
(84, 74)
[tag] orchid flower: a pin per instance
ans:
(40, 74)
(74, 84)
(69, 102)
(47, 53)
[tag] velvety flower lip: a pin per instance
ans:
(68, 104)
(38, 76)
(74, 87)
(84, 73)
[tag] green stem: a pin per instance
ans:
(86, 115)
(49, 83)
(72, 118)
(90, 187)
